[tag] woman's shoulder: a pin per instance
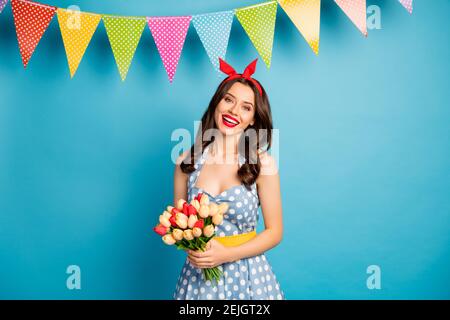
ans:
(181, 157)
(269, 165)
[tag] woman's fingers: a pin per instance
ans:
(200, 262)
(197, 254)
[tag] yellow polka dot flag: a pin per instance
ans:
(124, 34)
(77, 29)
(305, 14)
(258, 22)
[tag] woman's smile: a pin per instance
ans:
(229, 121)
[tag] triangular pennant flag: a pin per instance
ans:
(31, 20)
(258, 22)
(169, 34)
(124, 34)
(305, 14)
(214, 32)
(356, 11)
(3, 4)
(77, 29)
(408, 4)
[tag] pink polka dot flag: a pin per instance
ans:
(2, 4)
(356, 11)
(169, 34)
(408, 4)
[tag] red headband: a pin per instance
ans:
(232, 74)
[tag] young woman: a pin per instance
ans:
(233, 167)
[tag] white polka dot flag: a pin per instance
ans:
(258, 22)
(77, 29)
(214, 32)
(408, 4)
(356, 11)
(169, 34)
(3, 4)
(124, 34)
(31, 20)
(305, 14)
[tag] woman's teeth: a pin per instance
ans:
(229, 120)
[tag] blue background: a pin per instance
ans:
(85, 165)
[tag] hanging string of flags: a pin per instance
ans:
(32, 19)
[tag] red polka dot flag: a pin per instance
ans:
(31, 20)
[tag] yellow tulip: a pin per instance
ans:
(168, 239)
(217, 219)
(197, 232)
(223, 207)
(204, 211)
(196, 204)
(181, 220)
(167, 214)
(188, 234)
(192, 220)
(177, 234)
(213, 209)
(204, 199)
(180, 204)
(208, 231)
(164, 221)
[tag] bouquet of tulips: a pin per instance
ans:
(191, 226)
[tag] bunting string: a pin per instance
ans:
(31, 20)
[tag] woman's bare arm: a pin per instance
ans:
(180, 181)
(269, 193)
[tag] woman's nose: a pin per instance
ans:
(235, 109)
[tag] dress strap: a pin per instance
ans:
(198, 166)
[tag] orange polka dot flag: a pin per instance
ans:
(305, 14)
(31, 20)
(356, 11)
(169, 34)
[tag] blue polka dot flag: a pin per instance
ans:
(214, 32)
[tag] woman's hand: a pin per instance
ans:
(214, 255)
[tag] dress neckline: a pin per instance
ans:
(200, 166)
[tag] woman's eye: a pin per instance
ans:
(247, 108)
(227, 99)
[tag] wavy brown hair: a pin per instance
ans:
(255, 137)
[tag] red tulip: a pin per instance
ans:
(160, 229)
(199, 196)
(172, 221)
(186, 208)
(199, 224)
(174, 211)
(191, 210)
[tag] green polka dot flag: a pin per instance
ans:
(259, 23)
(124, 34)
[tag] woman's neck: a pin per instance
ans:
(225, 147)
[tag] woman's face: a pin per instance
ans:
(236, 111)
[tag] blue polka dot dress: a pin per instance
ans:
(246, 279)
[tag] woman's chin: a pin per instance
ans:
(226, 131)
